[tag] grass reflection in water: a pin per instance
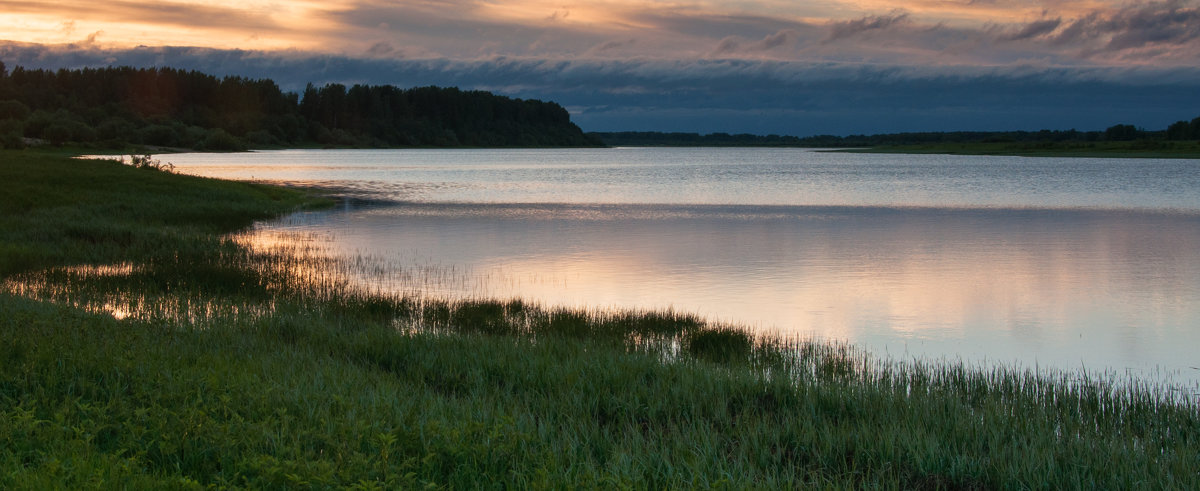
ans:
(239, 366)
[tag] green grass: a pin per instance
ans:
(56, 210)
(1131, 149)
(231, 367)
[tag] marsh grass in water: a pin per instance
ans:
(184, 358)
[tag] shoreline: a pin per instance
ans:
(1185, 150)
(229, 367)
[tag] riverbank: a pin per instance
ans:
(1127, 150)
(181, 358)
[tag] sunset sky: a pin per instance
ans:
(790, 67)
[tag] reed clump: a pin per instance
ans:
(187, 359)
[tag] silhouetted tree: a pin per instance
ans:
(1121, 132)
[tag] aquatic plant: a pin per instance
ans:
(149, 163)
(184, 358)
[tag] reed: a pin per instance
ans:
(186, 359)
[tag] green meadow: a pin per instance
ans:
(145, 344)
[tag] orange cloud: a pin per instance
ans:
(925, 31)
(221, 24)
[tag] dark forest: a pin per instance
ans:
(165, 107)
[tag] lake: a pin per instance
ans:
(1044, 262)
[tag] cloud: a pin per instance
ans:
(980, 32)
(732, 45)
(611, 47)
(1033, 29)
(1167, 30)
(733, 95)
(188, 15)
(727, 45)
(1153, 24)
(67, 27)
(381, 48)
(700, 25)
(776, 40)
(559, 15)
(840, 30)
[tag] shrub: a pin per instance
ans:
(150, 163)
(12, 126)
(13, 110)
(57, 133)
(262, 137)
(158, 134)
(11, 140)
(81, 132)
(116, 129)
(221, 141)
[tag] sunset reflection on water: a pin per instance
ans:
(1052, 288)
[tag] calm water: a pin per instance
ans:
(1062, 263)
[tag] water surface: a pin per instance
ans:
(1064, 263)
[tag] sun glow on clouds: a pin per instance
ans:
(922, 32)
(254, 24)
(591, 15)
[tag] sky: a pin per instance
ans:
(773, 66)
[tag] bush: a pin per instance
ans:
(161, 135)
(221, 141)
(11, 141)
(13, 110)
(57, 133)
(12, 126)
(150, 163)
(81, 132)
(262, 138)
(116, 129)
(37, 123)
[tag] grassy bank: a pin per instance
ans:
(182, 358)
(1123, 149)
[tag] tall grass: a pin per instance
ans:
(190, 360)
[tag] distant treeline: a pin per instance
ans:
(115, 107)
(1181, 130)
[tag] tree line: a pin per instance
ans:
(118, 106)
(1178, 131)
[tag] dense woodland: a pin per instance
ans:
(164, 107)
(1179, 131)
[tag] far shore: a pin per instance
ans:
(1123, 150)
(1176, 150)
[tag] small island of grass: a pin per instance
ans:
(142, 345)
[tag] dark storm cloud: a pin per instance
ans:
(730, 95)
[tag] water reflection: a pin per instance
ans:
(1063, 288)
(747, 176)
